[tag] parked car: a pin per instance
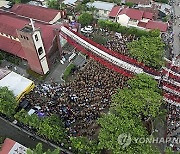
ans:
(83, 30)
(88, 28)
(33, 110)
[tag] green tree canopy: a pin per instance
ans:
(85, 19)
(129, 106)
(149, 50)
(54, 4)
(130, 4)
(142, 98)
(80, 8)
(39, 150)
(51, 127)
(116, 27)
(8, 102)
(83, 145)
(113, 125)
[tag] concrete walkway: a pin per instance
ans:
(57, 72)
(176, 30)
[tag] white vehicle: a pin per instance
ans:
(83, 30)
(88, 28)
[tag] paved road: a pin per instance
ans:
(176, 30)
(13, 133)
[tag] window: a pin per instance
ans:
(40, 51)
(27, 38)
(36, 37)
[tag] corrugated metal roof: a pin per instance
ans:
(101, 5)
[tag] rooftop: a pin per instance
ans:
(114, 12)
(157, 25)
(101, 5)
(132, 13)
(9, 23)
(35, 12)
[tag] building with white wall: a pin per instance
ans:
(102, 8)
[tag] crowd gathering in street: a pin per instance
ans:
(81, 101)
(173, 126)
(118, 43)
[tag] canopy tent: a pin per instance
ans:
(17, 83)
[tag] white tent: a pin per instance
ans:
(17, 83)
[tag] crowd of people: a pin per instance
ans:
(173, 126)
(118, 43)
(79, 102)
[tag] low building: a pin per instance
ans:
(157, 25)
(18, 84)
(114, 12)
(136, 18)
(102, 8)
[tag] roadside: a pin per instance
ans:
(20, 135)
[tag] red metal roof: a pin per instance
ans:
(35, 12)
(148, 15)
(142, 24)
(9, 23)
(12, 46)
(114, 12)
(157, 25)
(7, 146)
(132, 13)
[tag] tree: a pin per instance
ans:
(85, 19)
(169, 150)
(54, 4)
(129, 106)
(116, 123)
(83, 145)
(149, 50)
(101, 23)
(8, 102)
(143, 81)
(130, 4)
(142, 98)
(39, 150)
(51, 127)
(80, 8)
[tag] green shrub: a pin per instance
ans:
(116, 27)
(68, 71)
(50, 127)
(36, 75)
(130, 4)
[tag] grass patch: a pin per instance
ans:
(68, 71)
(36, 75)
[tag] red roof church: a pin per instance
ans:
(34, 41)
